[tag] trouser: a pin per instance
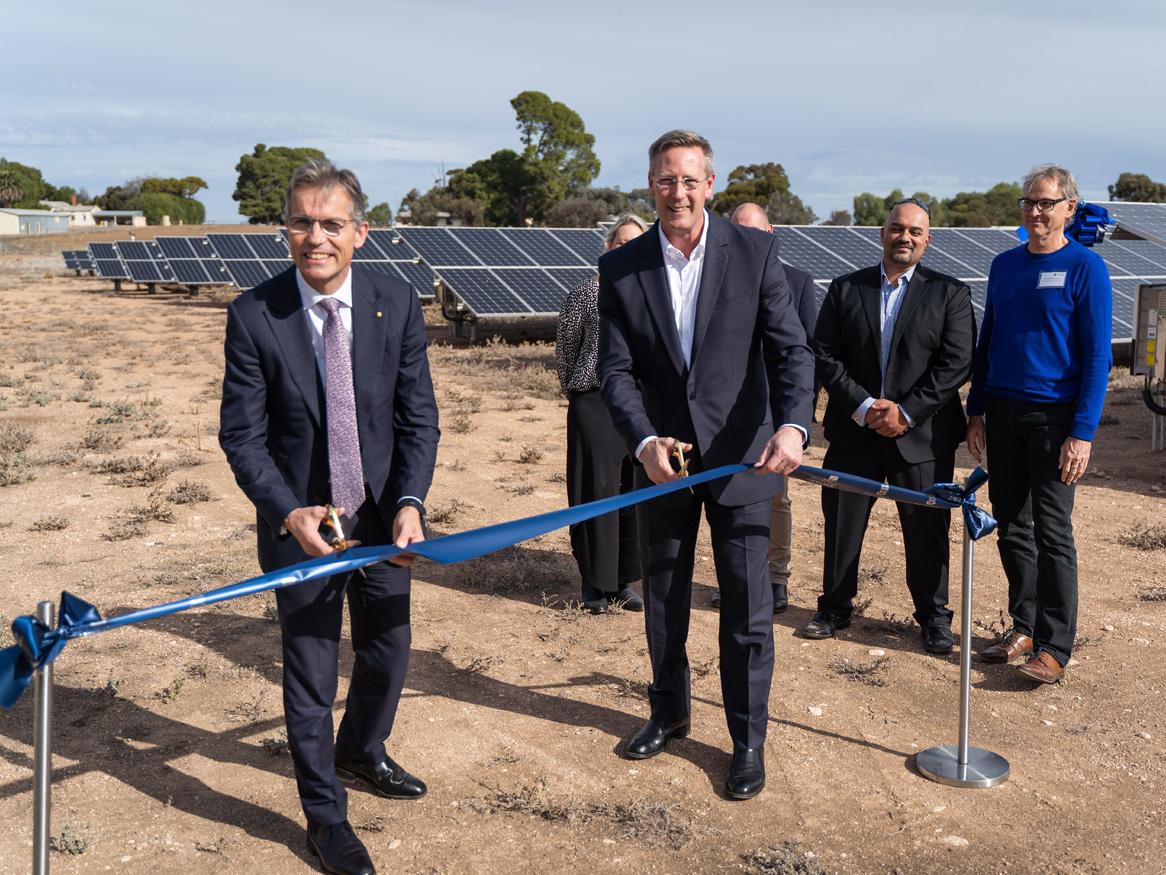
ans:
(925, 530)
(781, 532)
(598, 466)
(740, 536)
(310, 616)
(1034, 510)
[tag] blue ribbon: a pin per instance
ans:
(39, 645)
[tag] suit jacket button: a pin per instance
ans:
(691, 396)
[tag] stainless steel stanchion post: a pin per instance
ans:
(42, 754)
(961, 765)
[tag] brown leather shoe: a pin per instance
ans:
(1012, 646)
(1043, 667)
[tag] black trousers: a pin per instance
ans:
(598, 466)
(740, 540)
(310, 616)
(1035, 512)
(925, 530)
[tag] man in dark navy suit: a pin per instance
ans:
(700, 348)
(327, 399)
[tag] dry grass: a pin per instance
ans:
(1144, 537)
(869, 673)
(190, 492)
(518, 570)
(783, 859)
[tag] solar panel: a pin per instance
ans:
(246, 274)
(491, 247)
(535, 287)
(144, 261)
(1125, 292)
(439, 248)
(569, 277)
(854, 248)
(193, 261)
(268, 246)
(973, 259)
(542, 247)
(1139, 257)
(586, 244)
(483, 292)
(176, 247)
(191, 272)
(108, 262)
(1143, 220)
(801, 251)
(420, 275)
(78, 259)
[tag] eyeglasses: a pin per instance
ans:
(667, 183)
(330, 227)
(915, 201)
(1028, 205)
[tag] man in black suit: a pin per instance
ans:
(894, 343)
(700, 348)
(781, 523)
(327, 399)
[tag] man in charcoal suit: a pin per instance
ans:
(894, 343)
(327, 399)
(700, 348)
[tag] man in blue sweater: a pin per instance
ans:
(1038, 384)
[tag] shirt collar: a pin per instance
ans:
(309, 297)
(905, 277)
(671, 251)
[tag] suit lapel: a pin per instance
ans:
(286, 318)
(912, 297)
(712, 275)
(369, 326)
(654, 282)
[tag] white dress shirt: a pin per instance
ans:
(317, 315)
(890, 303)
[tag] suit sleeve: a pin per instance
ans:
(789, 361)
(243, 426)
(831, 355)
(617, 379)
(951, 363)
(415, 430)
(807, 309)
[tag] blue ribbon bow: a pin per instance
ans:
(38, 645)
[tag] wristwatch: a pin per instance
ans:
(414, 502)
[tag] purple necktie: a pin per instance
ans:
(343, 438)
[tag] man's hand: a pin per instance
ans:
(303, 524)
(890, 422)
(874, 413)
(976, 442)
(1074, 459)
(782, 453)
(407, 529)
(656, 458)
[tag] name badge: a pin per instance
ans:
(1051, 279)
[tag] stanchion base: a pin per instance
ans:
(941, 763)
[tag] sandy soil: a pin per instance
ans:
(169, 746)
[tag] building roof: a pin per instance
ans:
(18, 212)
(66, 207)
(105, 214)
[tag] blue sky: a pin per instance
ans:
(849, 96)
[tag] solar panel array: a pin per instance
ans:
(78, 259)
(251, 259)
(144, 261)
(108, 261)
(507, 272)
(1147, 221)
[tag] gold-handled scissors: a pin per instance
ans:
(332, 520)
(678, 452)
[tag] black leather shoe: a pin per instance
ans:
(823, 625)
(653, 738)
(339, 849)
(385, 778)
(746, 772)
(596, 606)
(780, 597)
(937, 639)
(715, 598)
(627, 599)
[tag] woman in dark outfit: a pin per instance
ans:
(598, 465)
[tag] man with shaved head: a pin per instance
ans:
(894, 343)
(781, 523)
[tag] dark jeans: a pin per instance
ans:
(1034, 509)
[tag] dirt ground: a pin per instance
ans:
(169, 746)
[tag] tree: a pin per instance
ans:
(119, 197)
(975, 209)
(786, 208)
(423, 209)
(380, 216)
(263, 179)
(755, 183)
(870, 209)
(577, 212)
(838, 217)
(1137, 187)
(186, 187)
(11, 190)
(26, 180)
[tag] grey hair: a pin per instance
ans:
(679, 139)
(1061, 175)
(318, 173)
(621, 220)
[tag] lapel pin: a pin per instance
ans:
(379, 314)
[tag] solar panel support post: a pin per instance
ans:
(117, 285)
(42, 754)
(960, 765)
